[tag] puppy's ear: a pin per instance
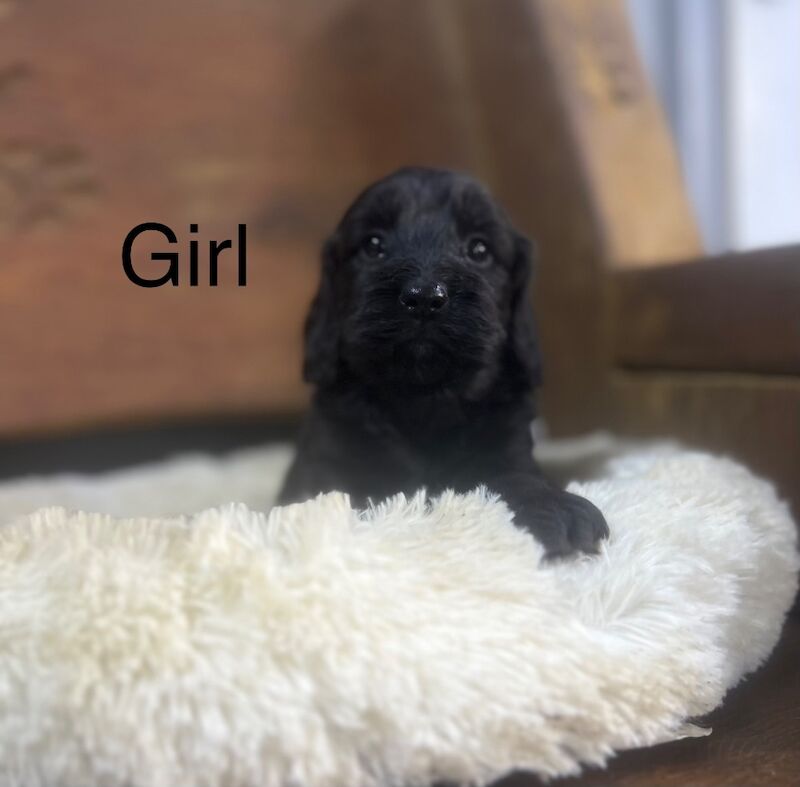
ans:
(321, 362)
(523, 339)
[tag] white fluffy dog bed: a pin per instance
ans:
(423, 640)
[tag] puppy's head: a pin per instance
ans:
(424, 285)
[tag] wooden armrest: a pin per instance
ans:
(734, 313)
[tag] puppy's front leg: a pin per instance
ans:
(561, 521)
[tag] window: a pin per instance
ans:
(728, 75)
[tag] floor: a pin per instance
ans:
(755, 742)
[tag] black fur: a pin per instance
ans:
(424, 355)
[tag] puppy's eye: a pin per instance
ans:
(478, 250)
(373, 246)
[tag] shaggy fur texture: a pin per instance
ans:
(419, 641)
(423, 352)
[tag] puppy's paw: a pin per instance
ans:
(562, 522)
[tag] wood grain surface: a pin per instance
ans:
(755, 419)
(215, 114)
(274, 115)
(618, 133)
(733, 313)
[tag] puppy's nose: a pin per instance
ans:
(424, 299)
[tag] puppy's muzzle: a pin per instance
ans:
(424, 299)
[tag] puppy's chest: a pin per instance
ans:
(435, 455)
(444, 445)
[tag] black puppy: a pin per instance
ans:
(423, 350)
